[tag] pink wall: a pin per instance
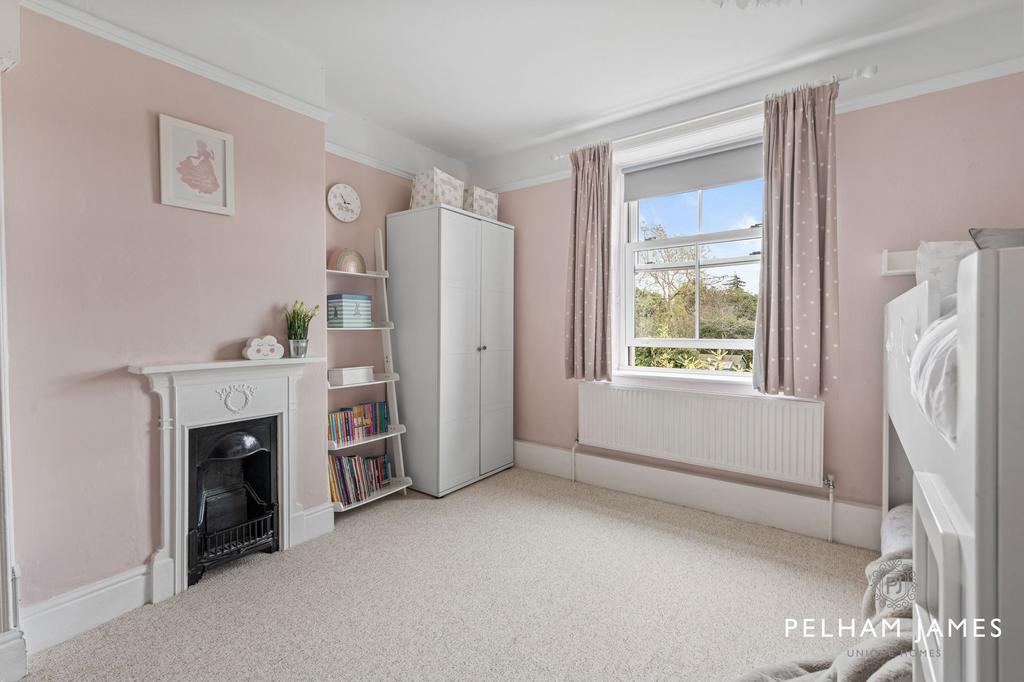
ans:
(930, 167)
(101, 275)
(924, 168)
(380, 193)
(545, 408)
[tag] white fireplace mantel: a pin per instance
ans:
(205, 393)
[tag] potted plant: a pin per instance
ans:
(298, 318)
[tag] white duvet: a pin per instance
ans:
(933, 375)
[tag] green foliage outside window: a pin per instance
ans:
(723, 360)
(665, 304)
(727, 310)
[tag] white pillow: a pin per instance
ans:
(937, 262)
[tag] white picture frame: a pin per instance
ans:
(197, 167)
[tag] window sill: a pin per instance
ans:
(717, 383)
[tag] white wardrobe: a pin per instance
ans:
(451, 293)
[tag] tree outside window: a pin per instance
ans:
(695, 267)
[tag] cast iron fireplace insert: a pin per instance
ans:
(232, 492)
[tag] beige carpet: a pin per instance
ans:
(521, 576)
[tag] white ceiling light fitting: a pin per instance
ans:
(743, 4)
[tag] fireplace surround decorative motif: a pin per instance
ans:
(236, 397)
(231, 396)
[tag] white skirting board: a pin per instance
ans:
(72, 613)
(316, 521)
(854, 524)
(13, 658)
(66, 615)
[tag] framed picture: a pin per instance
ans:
(197, 167)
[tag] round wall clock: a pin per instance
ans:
(343, 202)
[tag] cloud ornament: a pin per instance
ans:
(263, 348)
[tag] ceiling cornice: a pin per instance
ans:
(926, 87)
(10, 35)
(744, 76)
(358, 139)
(531, 182)
(403, 157)
(367, 160)
(151, 48)
(346, 134)
(952, 80)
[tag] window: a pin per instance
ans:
(692, 266)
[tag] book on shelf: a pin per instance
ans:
(354, 479)
(357, 422)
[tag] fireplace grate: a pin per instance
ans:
(237, 540)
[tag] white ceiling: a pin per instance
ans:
(471, 77)
(474, 78)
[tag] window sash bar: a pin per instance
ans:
(691, 265)
(629, 285)
(741, 234)
(696, 290)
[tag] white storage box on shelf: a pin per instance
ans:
(478, 200)
(346, 376)
(436, 187)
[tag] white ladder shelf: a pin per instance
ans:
(399, 482)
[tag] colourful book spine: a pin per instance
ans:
(347, 477)
(338, 481)
(363, 477)
(330, 480)
(361, 493)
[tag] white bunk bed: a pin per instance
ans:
(967, 495)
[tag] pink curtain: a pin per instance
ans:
(586, 309)
(797, 334)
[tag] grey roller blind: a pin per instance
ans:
(720, 168)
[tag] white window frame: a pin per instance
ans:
(718, 132)
(629, 268)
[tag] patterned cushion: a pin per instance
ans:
(434, 186)
(937, 263)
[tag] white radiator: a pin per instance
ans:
(762, 436)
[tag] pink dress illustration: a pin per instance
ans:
(196, 170)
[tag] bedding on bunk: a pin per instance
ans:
(933, 372)
(897, 534)
(933, 375)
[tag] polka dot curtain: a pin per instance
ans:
(586, 309)
(797, 335)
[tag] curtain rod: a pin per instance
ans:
(857, 74)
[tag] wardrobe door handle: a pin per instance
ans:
(479, 348)
(483, 347)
